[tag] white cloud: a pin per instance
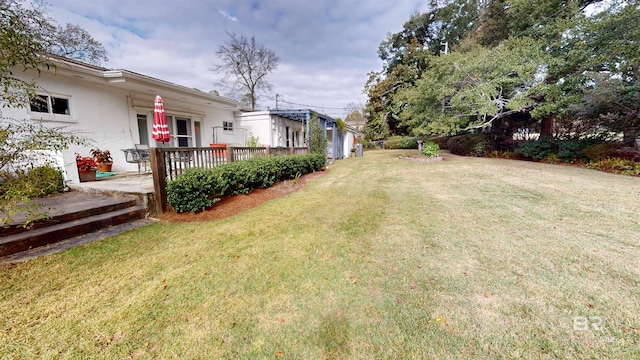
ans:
(227, 15)
(326, 47)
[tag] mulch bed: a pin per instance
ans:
(233, 205)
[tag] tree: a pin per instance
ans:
(74, 42)
(317, 136)
(554, 64)
(444, 23)
(382, 108)
(24, 145)
(472, 89)
(20, 49)
(356, 115)
(245, 65)
(20, 23)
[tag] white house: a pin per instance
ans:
(289, 128)
(114, 109)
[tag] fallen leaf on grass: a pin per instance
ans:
(440, 320)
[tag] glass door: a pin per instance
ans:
(184, 134)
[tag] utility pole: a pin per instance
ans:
(446, 47)
(277, 96)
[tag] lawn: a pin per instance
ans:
(380, 258)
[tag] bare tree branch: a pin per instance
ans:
(245, 65)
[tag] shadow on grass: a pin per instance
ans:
(333, 333)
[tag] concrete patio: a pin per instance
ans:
(134, 184)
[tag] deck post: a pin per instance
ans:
(159, 172)
(229, 154)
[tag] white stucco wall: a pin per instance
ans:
(272, 130)
(106, 114)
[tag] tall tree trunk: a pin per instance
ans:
(546, 126)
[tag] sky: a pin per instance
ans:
(326, 47)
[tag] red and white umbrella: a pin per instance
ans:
(160, 131)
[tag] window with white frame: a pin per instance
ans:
(227, 126)
(48, 104)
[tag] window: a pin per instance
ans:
(227, 126)
(50, 105)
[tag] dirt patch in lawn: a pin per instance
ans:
(233, 205)
(420, 158)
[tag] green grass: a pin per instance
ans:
(380, 258)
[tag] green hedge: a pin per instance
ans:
(565, 150)
(399, 142)
(197, 189)
(440, 140)
(470, 144)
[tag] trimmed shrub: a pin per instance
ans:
(194, 190)
(600, 151)
(628, 154)
(36, 182)
(572, 150)
(564, 150)
(536, 149)
(197, 189)
(470, 144)
(399, 142)
(440, 140)
(430, 149)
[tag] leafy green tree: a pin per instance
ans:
(26, 33)
(446, 22)
(24, 41)
(383, 111)
(20, 49)
(472, 89)
(317, 136)
(555, 63)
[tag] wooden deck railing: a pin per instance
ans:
(169, 163)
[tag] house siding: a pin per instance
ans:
(107, 112)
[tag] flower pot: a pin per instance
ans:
(222, 147)
(87, 175)
(105, 167)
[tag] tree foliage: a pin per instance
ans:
(20, 48)
(26, 37)
(73, 42)
(317, 136)
(245, 66)
(26, 34)
(570, 67)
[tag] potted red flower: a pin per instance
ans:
(86, 168)
(103, 159)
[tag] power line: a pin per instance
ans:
(280, 99)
